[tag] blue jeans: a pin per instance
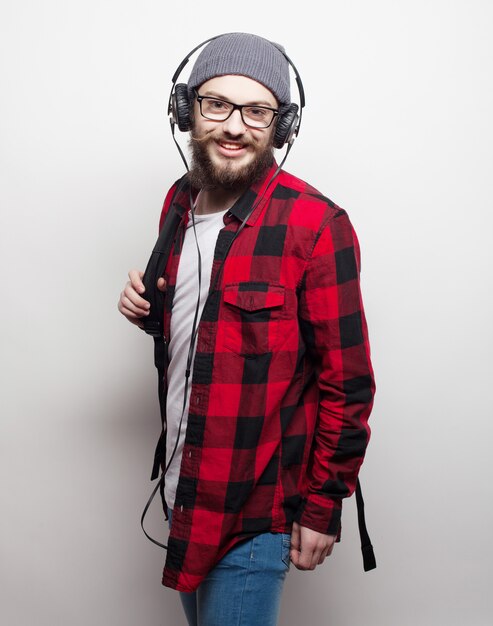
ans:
(245, 587)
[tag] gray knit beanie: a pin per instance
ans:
(246, 55)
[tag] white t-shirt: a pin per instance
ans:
(207, 228)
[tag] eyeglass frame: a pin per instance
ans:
(236, 107)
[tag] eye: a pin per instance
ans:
(217, 105)
(258, 113)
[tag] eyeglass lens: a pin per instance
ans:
(219, 110)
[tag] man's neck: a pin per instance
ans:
(215, 200)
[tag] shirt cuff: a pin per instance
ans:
(320, 514)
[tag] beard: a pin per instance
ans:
(204, 174)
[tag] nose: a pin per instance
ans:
(234, 124)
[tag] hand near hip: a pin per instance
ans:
(309, 547)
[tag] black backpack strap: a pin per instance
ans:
(153, 323)
(369, 561)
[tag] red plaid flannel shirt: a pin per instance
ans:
(282, 384)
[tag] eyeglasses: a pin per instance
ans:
(221, 110)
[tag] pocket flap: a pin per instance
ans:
(254, 296)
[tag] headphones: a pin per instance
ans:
(287, 124)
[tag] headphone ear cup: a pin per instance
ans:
(287, 124)
(180, 107)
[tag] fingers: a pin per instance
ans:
(131, 304)
(325, 553)
(129, 307)
(309, 548)
(294, 552)
(302, 553)
(136, 280)
(309, 557)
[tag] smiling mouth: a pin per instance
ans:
(229, 148)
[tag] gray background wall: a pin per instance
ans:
(397, 129)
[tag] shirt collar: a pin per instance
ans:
(255, 197)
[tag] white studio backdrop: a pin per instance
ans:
(397, 130)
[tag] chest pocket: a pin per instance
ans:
(250, 317)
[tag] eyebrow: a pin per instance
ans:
(215, 94)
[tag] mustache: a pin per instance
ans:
(211, 136)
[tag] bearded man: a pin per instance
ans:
(269, 384)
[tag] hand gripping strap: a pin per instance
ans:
(153, 323)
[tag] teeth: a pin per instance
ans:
(230, 146)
